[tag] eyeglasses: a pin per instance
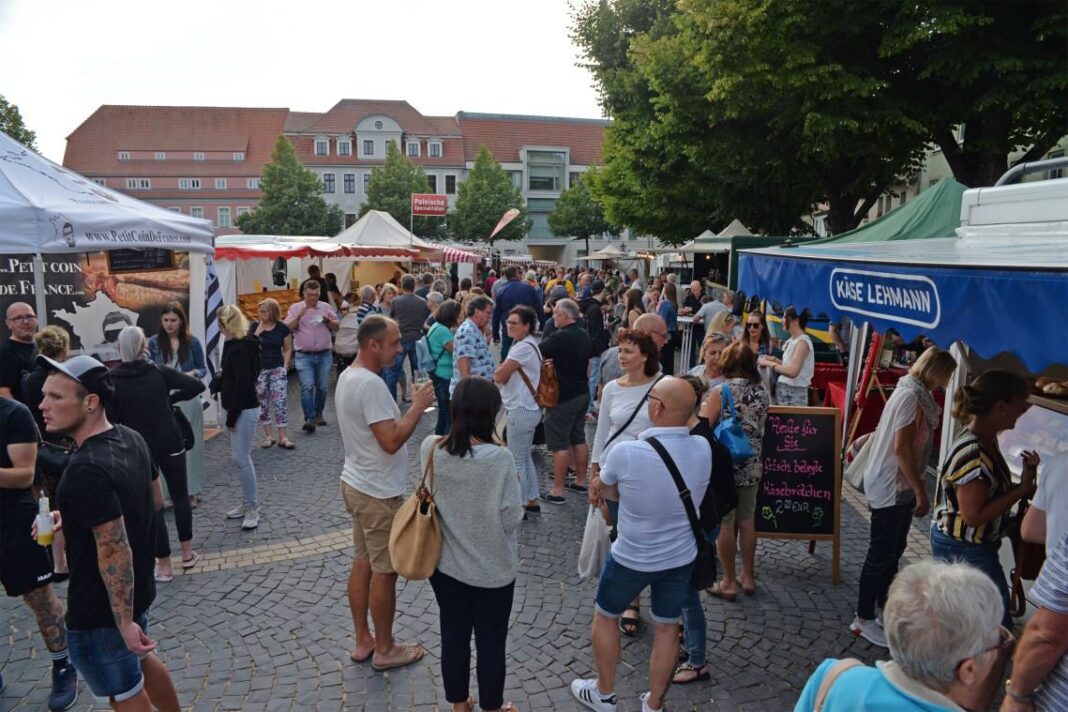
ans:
(512, 323)
(1005, 643)
(23, 317)
(658, 400)
(756, 325)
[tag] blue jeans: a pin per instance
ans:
(982, 556)
(441, 392)
(102, 659)
(313, 370)
(241, 437)
(595, 379)
(620, 585)
(693, 619)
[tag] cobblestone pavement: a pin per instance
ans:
(263, 623)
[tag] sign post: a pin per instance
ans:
(800, 493)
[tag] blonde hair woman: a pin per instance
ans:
(893, 480)
(237, 386)
(723, 323)
(272, 384)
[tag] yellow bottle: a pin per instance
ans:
(45, 532)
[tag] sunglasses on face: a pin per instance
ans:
(754, 325)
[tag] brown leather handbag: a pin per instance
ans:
(1029, 558)
(548, 393)
(415, 537)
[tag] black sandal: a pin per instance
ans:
(630, 626)
(701, 671)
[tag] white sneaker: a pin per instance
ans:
(879, 620)
(252, 518)
(586, 692)
(869, 631)
(237, 512)
(644, 697)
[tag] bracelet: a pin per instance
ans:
(1019, 696)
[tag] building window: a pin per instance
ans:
(350, 182)
(450, 185)
(413, 149)
(902, 197)
(378, 125)
(101, 181)
(252, 183)
(220, 184)
(516, 178)
(242, 211)
(239, 155)
(368, 147)
(161, 156)
(124, 155)
(198, 156)
(138, 183)
(188, 184)
(350, 220)
(224, 218)
(344, 147)
(196, 212)
(131, 184)
(366, 182)
(328, 182)
(1056, 172)
(545, 170)
(434, 149)
(433, 180)
(322, 147)
(175, 210)
(573, 178)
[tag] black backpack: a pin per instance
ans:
(721, 498)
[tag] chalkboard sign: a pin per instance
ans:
(799, 495)
(140, 260)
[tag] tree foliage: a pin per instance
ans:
(763, 110)
(292, 202)
(11, 123)
(390, 189)
(578, 214)
(484, 196)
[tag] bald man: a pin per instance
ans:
(655, 546)
(18, 351)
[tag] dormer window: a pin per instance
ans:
(198, 156)
(344, 147)
(322, 147)
(239, 155)
(412, 149)
(434, 149)
(161, 156)
(124, 155)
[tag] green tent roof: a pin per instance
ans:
(933, 213)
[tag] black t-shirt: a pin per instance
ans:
(16, 428)
(109, 476)
(16, 358)
(271, 345)
(694, 303)
(570, 348)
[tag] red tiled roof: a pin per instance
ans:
(94, 146)
(344, 115)
(504, 135)
(299, 121)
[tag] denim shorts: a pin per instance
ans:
(108, 667)
(619, 586)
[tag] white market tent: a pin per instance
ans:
(378, 228)
(46, 209)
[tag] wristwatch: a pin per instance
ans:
(1019, 696)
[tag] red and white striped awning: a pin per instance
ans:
(521, 262)
(451, 254)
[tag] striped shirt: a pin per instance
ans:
(366, 309)
(969, 461)
(1051, 592)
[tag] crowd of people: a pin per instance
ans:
(534, 357)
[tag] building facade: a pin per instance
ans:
(207, 162)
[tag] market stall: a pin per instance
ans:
(91, 259)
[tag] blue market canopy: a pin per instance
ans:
(990, 287)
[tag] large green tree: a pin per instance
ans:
(11, 123)
(484, 196)
(578, 214)
(390, 189)
(292, 202)
(764, 109)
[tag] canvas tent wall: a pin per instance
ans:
(90, 257)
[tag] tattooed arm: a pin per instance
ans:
(115, 561)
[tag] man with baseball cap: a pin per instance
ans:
(25, 568)
(107, 499)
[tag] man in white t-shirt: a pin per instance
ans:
(373, 481)
(655, 546)
(1047, 519)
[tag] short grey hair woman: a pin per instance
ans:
(144, 393)
(947, 646)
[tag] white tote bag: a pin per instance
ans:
(595, 544)
(857, 461)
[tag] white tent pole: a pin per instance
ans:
(39, 290)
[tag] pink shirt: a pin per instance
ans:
(310, 333)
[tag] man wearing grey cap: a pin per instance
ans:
(107, 501)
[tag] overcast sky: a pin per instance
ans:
(61, 59)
